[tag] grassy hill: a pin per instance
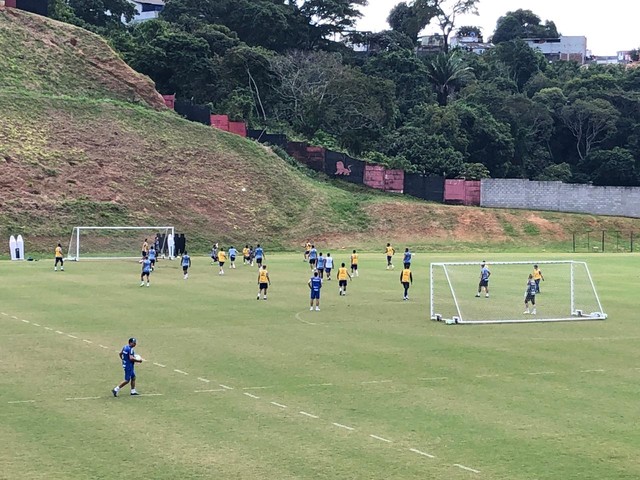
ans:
(86, 140)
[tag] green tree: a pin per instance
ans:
(103, 13)
(520, 61)
(523, 24)
(411, 19)
(447, 73)
(612, 167)
(447, 13)
(556, 172)
(590, 121)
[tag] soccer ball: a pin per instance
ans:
(137, 357)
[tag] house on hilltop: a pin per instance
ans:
(570, 48)
(146, 9)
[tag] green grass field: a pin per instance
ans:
(367, 388)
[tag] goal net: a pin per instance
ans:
(99, 243)
(567, 293)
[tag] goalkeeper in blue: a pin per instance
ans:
(530, 296)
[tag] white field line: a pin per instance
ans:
(71, 336)
(150, 394)
(339, 425)
(319, 384)
(278, 404)
(180, 371)
(208, 391)
(420, 452)
(159, 365)
(203, 380)
(226, 387)
(487, 376)
(434, 378)
(256, 388)
(48, 328)
(376, 381)
(599, 370)
(250, 395)
(14, 317)
(25, 321)
(103, 346)
(59, 332)
(86, 341)
(466, 468)
(5, 314)
(541, 373)
(22, 401)
(81, 398)
(380, 438)
(36, 324)
(304, 321)
(308, 415)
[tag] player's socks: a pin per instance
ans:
(487, 295)
(533, 312)
(526, 312)
(264, 298)
(310, 308)
(142, 284)
(55, 269)
(258, 297)
(317, 309)
(62, 269)
(147, 284)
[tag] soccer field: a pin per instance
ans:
(367, 388)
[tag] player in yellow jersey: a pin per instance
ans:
(222, 257)
(246, 257)
(406, 279)
(145, 248)
(537, 276)
(59, 259)
(307, 249)
(354, 263)
(343, 277)
(263, 282)
(389, 251)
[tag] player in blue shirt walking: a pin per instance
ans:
(146, 269)
(315, 284)
(152, 257)
(328, 266)
(128, 357)
(232, 257)
(259, 254)
(186, 263)
(407, 258)
(313, 257)
(320, 264)
(484, 280)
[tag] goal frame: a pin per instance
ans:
(75, 235)
(575, 314)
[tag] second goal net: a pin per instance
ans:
(567, 293)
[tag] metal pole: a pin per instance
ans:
(588, 245)
(574, 242)
(602, 241)
(617, 241)
(631, 242)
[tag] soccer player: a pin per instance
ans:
(127, 355)
(320, 264)
(537, 276)
(263, 282)
(313, 257)
(232, 257)
(214, 253)
(343, 276)
(530, 295)
(145, 248)
(328, 266)
(389, 251)
(307, 249)
(354, 263)
(484, 280)
(406, 279)
(186, 263)
(146, 270)
(246, 258)
(152, 257)
(222, 257)
(259, 253)
(59, 259)
(315, 284)
(407, 258)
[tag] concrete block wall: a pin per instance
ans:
(560, 197)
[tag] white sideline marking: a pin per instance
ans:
(150, 394)
(304, 321)
(419, 452)
(466, 468)
(434, 378)
(255, 388)
(278, 405)
(376, 381)
(226, 388)
(36, 324)
(5, 314)
(25, 321)
(592, 371)
(212, 390)
(250, 395)
(203, 380)
(86, 341)
(541, 373)
(81, 398)
(380, 438)
(14, 317)
(71, 336)
(319, 384)
(103, 346)
(47, 328)
(308, 415)
(59, 332)
(157, 364)
(180, 371)
(487, 376)
(343, 426)
(23, 401)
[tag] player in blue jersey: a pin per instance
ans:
(146, 270)
(328, 266)
(530, 295)
(186, 263)
(320, 264)
(127, 356)
(313, 257)
(259, 254)
(315, 284)
(153, 255)
(484, 280)
(407, 258)
(232, 257)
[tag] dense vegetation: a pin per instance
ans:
(506, 113)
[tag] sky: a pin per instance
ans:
(609, 27)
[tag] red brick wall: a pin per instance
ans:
(170, 101)
(239, 128)
(374, 176)
(466, 192)
(394, 181)
(10, 3)
(220, 121)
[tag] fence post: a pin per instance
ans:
(602, 241)
(574, 242)
(588, 241)
(631, 242)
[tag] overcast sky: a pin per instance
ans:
(609, 26)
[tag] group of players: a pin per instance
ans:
(531, 290)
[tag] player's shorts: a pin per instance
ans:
(327, 270)
(153, 261)
(342, 283)
(484, 283)
(312, 261)
(59, 259)
(406, 284)
(129, 373)
(407, 264)
(389, 260)
(354, 266)
(263, 286)
(143, 253)
(315, 294)
(146, 272)
(306, 253)
(247, 258)
(221, 264)
(530, 298)
(232, 258)
(259, 260)
(320, 270)
(185, 268)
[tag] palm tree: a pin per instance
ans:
(446, 72)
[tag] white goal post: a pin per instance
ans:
(567, 293)
(111, 243)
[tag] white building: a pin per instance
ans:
(572, 49)
(146, 9)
